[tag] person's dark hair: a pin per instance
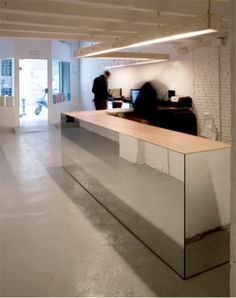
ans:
(107, 73)
(145, 105)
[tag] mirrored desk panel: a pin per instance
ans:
(170, 190)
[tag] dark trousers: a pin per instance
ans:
(100, 104)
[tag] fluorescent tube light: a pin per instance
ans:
(194, 27)
(172, 37)
(133, 56)
(132, 63)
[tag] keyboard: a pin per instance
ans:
(118, 111)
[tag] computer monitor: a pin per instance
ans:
(115, 92)
(171, 93)
(134, 94)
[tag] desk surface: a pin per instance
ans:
(176, 141)
(161, 108)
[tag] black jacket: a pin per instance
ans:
(100, 88)
(146, 104)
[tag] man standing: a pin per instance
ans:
(100, 90)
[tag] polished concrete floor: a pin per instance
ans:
(56, 240)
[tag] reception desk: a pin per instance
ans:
(170, 189)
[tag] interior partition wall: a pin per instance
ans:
(233, 153)
(177, 204)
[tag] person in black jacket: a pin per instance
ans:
(146, 103)
(100, 90)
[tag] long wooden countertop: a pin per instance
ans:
(176, 141)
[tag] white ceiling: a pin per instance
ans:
(98, 20)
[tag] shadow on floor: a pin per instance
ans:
(156, 275)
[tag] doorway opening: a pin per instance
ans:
(33, 83)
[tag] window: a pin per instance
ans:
(61, 81)
(6, 79)
(65, 80)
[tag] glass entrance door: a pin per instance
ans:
(33, 109)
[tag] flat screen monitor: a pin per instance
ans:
(134, 95)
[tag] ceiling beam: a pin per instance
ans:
(74, 10)
(182, 8)
(134, 55)
(153, 5)
(44, 35)
(142, 11)
(197, 26)
(88, 24)
(99, 20)
(101, 34)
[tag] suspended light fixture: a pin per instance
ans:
(124, 59)
(195, 27)
(133, 56)
(131, 63)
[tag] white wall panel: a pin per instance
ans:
(176, 165)
(156, 157)
(207, 191)
(131, 149)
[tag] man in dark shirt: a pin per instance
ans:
(100, 90)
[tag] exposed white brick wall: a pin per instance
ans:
(212, 88)
(225, 89)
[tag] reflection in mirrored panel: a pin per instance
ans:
(176, 204)
(148, 202)
(207, 210)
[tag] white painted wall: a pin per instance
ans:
(32, 49)
(89, 69)
(64, 52)
(7, 48)
(8, 117)
(176, 74)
